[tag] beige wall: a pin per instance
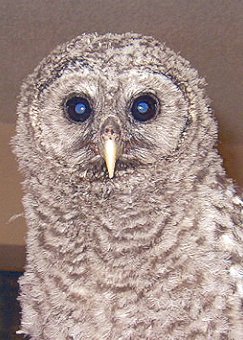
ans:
(12, 228)
(209, 33)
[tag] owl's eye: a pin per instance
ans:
(144, 108)
(78, 109)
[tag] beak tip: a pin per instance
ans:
(111, 175)
(111, 172)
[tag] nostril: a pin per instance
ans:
(109, 130)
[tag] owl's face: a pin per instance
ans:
(107, 108)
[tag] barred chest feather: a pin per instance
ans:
(130, 266)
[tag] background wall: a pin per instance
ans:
(209, 33)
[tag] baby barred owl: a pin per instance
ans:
(134, 230)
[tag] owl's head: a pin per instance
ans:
(103, 106)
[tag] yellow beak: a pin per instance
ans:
(110, 156)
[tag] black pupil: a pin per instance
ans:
(144, 108)
(78, 109)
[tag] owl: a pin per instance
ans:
(134, 229)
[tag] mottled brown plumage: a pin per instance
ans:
(154, 252)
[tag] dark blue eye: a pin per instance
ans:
(78, 109)
(144, 108)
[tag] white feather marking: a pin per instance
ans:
(228, 242)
